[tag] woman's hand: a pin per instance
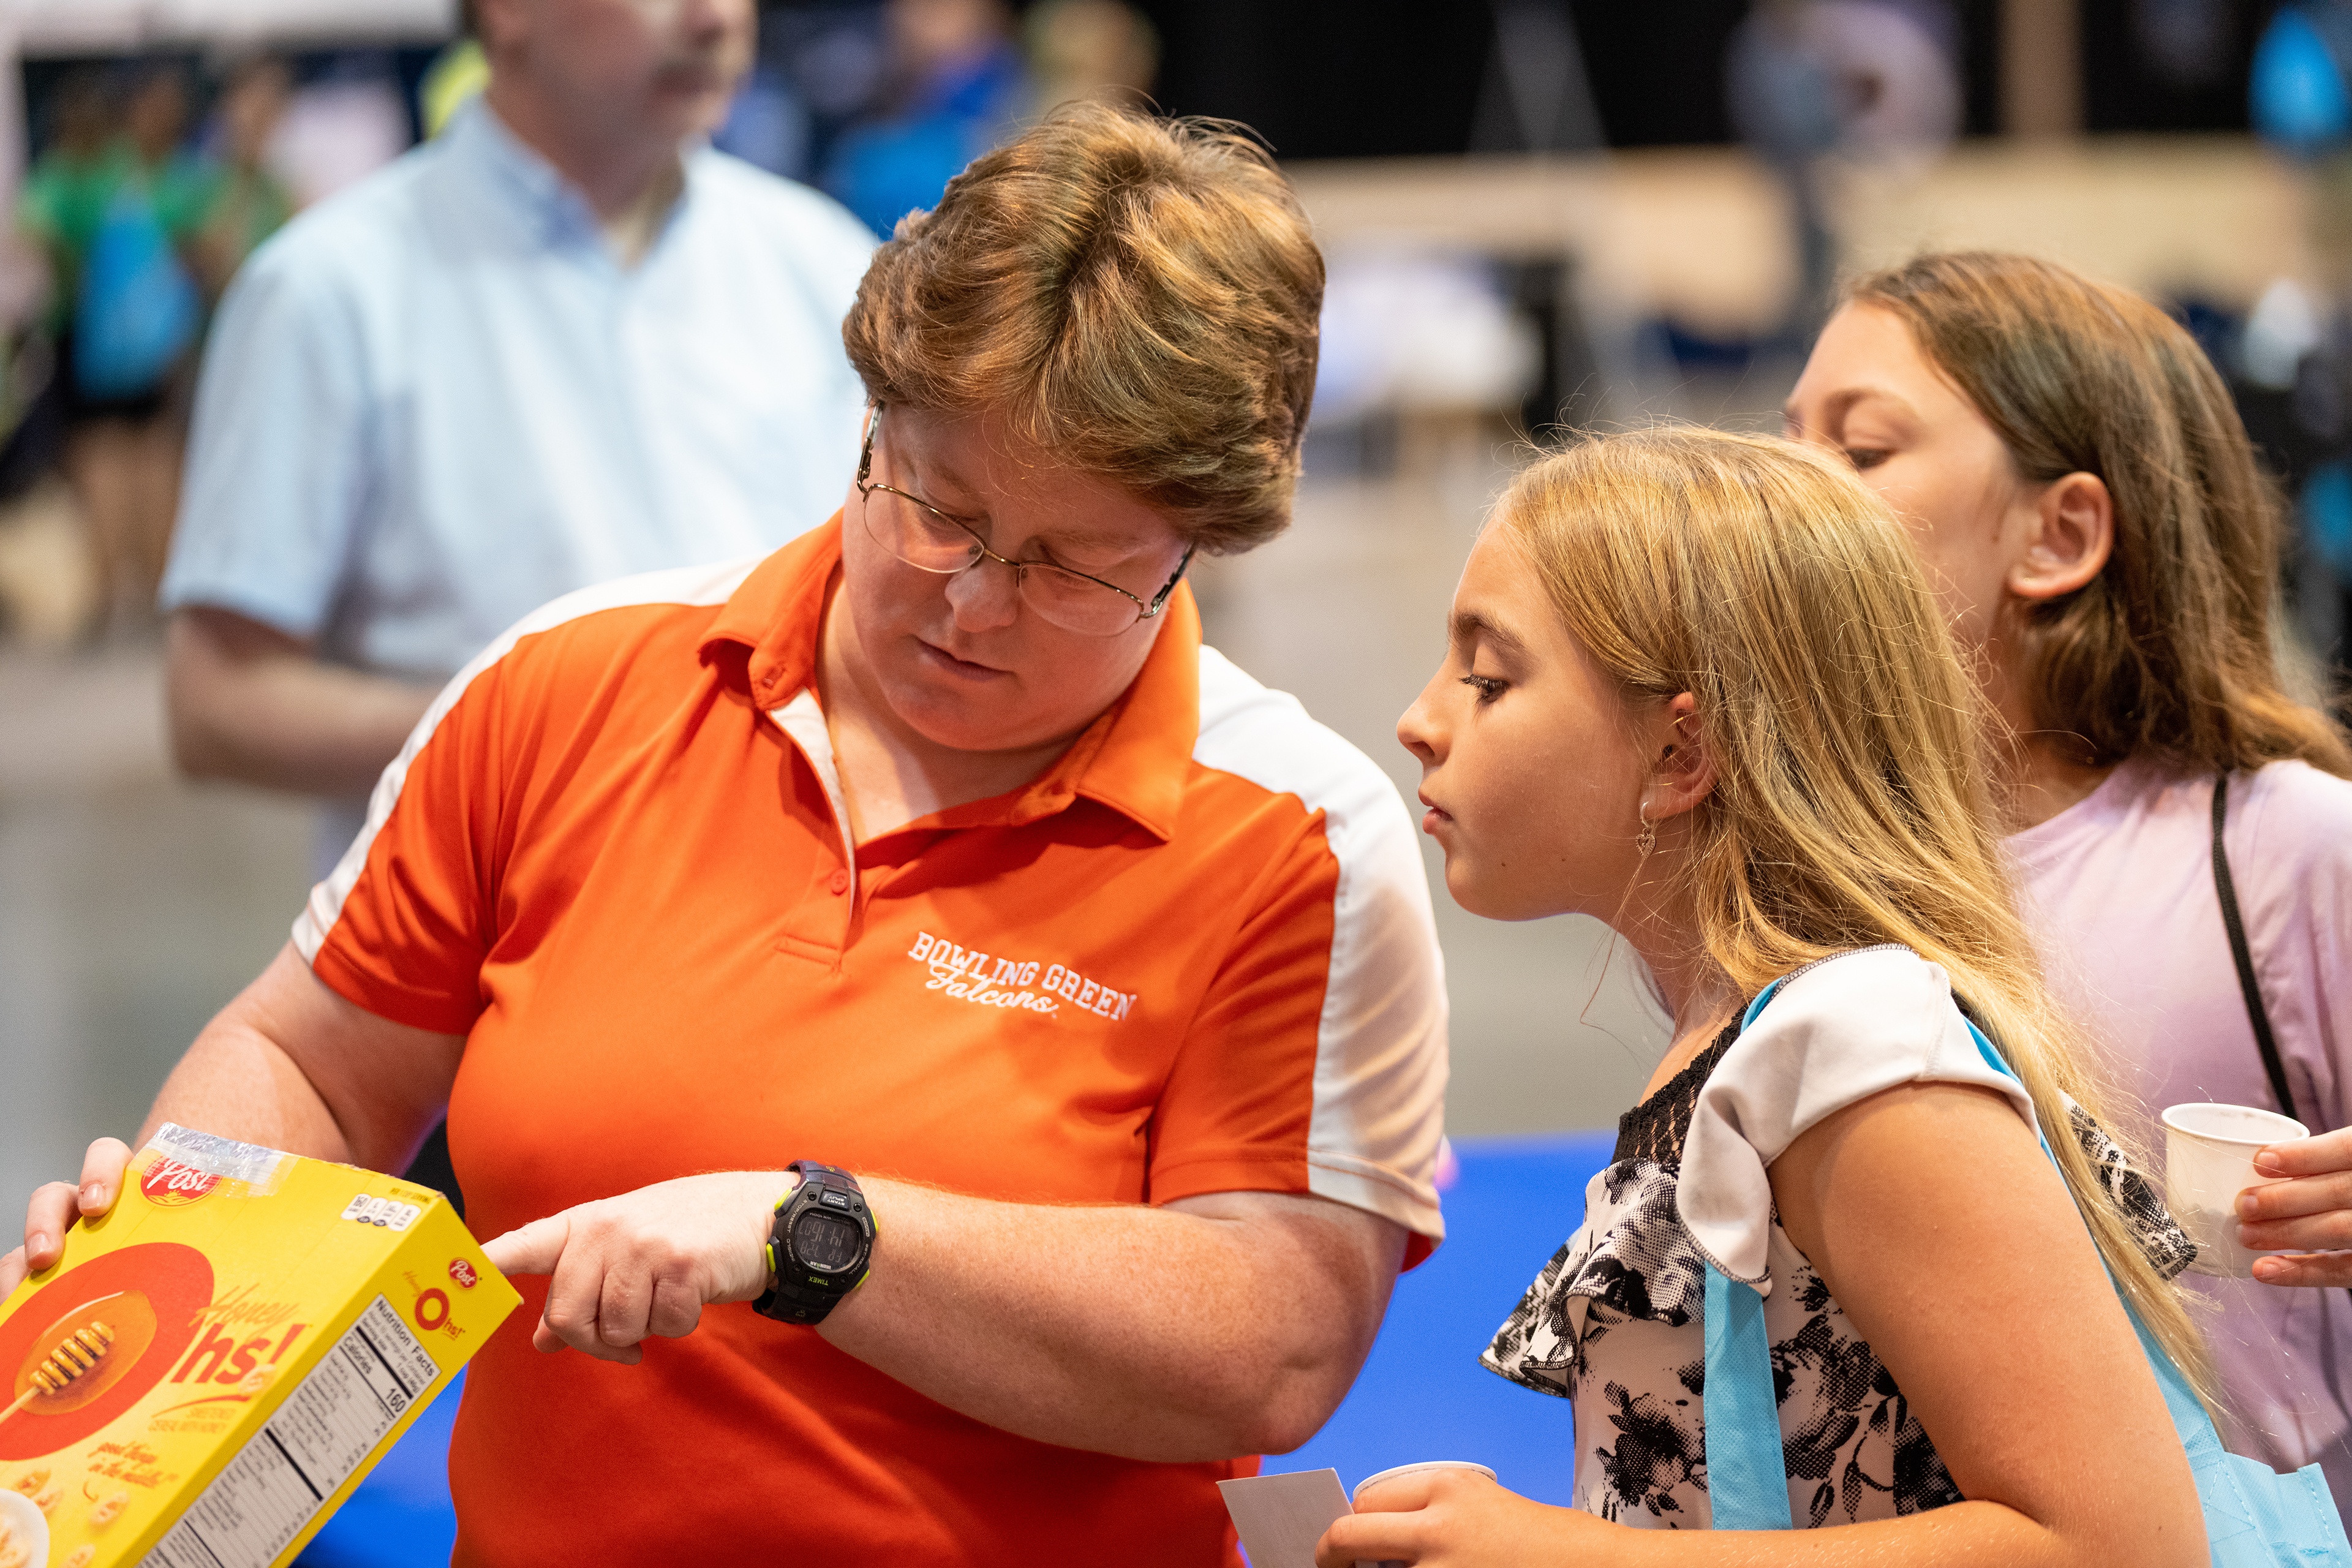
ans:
(1459, 1519)
(56, 1205)
(645, 1263)
(2310, 1211)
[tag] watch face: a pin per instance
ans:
(826, 1243)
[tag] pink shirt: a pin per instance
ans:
(2119, 890)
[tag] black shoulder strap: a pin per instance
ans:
(2256, 1014)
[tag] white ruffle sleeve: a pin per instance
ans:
(1839, 1032)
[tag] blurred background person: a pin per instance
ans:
(240, 199)
(110, 206)
(557, 346)
(1085, 49)
(1809, 80)
(956, 85)
(63, 196)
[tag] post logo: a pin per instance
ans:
(463, 1273)
(171, 1183)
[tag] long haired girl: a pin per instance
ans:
(2107, 550)
(1698, 687)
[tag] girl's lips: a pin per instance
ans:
(1434, 817)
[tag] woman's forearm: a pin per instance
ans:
(236, 1081)
(1222, 1326)
(290, 1064)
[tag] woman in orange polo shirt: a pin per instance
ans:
(935, 854)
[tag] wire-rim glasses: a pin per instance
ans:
(929, 540)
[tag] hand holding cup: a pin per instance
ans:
(2301, 1211)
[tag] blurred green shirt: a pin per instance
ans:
(67, 197)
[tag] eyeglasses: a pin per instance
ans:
(924, 537)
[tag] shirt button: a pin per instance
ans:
(840, 883)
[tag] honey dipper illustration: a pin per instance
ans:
(75, 1356)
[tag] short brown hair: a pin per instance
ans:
(1140, 296)
(2167, 650)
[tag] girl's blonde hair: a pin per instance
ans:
(1853, 803)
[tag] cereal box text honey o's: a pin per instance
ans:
(210, 1369)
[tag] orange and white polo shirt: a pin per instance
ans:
(1195, 956)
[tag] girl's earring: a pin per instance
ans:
(1649, 838)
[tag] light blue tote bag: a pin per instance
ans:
(2254, 1517)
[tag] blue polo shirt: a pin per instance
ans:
(438, 401)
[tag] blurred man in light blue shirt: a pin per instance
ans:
(563, 343)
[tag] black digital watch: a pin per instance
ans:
(819, 1248)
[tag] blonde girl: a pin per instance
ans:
(2104, 546)
(1697, 686)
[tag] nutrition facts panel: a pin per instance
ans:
(332, 1420)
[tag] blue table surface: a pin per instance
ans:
(1423, 1394)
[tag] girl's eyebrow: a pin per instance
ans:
(1839, 404)
(1472, 626)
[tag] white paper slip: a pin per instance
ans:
(1281, 1518)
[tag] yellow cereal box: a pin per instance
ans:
(210, 1369)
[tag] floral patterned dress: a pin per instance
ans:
(1614, 1324)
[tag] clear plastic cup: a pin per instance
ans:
(2209, 1159)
